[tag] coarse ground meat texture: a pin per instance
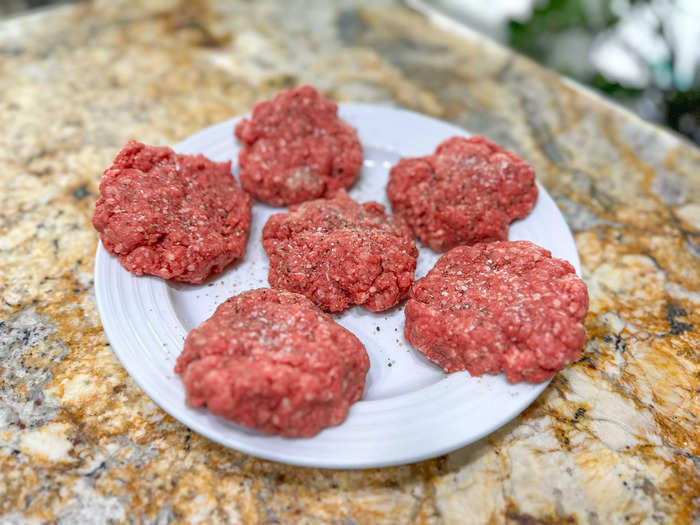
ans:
(338, 252)
(468, 191)
(180, 217)
(295, 148)
(507, 306)
(271, 360)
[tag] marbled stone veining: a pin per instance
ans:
(613, 439)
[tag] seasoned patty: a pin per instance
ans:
(295, 148)
(271, 360)
(338, 252)
(507, 306)
(468, 191)
(180, 217)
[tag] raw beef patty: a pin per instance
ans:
(271, 360)
(507, 306)
(338, 252)
(468, 191)
(295, 148)
(180, 217)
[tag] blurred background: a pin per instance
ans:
(643, 54)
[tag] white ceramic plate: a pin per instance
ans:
(410, 410)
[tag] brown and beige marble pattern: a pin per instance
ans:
(614, 439)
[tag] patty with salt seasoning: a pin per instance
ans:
(179, 217)
(295, 148)
(468, 191)
(507, 306)
(271, 360)
(338, 253)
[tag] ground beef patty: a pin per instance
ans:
(180, 217)
(468, 191)
(338, 252)
(297, 149)
(271, 360)
(498, 306)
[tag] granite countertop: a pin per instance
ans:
(613, 439)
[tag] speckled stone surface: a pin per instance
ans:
(614, 439)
